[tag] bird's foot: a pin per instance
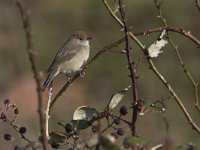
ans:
(69, 80)
(82, 73)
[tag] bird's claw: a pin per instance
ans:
(82, 73)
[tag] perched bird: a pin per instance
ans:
(70, 57)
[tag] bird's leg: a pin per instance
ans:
(82, 72)
(68, 78)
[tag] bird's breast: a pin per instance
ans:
(75, 63)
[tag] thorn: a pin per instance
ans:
(122, 29)
(123, 51)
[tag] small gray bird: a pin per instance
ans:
(70, 58)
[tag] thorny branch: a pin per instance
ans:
(131, 66)
(30, 51)
(154, 69)
(76, 76)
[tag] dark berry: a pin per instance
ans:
(68, 127)
(7, 137)
(22, 130)
(120, 131)
(16, 111)
(123, 110)
(3, 116)
(6, 102)
(55, 145)
(117, 121)
(95, 128)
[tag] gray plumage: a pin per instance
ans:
(70, 58)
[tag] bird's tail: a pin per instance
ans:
(48, 81)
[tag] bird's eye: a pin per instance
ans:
(81, 39)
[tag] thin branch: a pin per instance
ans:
(171, 29)
(47, 112)
(131, 67)
(125, 121)
(15, 126)
(108, 126)
(30, 51)
(185, 69)
(197, 3)
(76, 76)
(154, 69)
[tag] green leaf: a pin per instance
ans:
(83, 117)
(117, 97)
(133, 140)
(63, 123)
(83, 124)
(85, 113)
(57, 136)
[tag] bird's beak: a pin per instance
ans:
(89, 38)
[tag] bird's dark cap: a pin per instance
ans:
(81, 35)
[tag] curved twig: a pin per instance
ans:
(185, 69)
(171, 29)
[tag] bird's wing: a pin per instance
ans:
(65, 53)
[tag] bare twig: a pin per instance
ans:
(154, 69)
(101, 51)
(30, 51)
(47, 112)
(181, 31)
(120, 118)
(132, 68)
(185, 69)
(16, 127)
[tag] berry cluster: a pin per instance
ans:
(8, 108)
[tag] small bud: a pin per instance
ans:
(55, 145)
(120, 131)
(13, 106)
(7, 137)
(22, 130)
(16, 111)
(117, 121)
(123, 110)
(6, 102)
(95, 128)
(68, 127)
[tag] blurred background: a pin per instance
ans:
(53, 21)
